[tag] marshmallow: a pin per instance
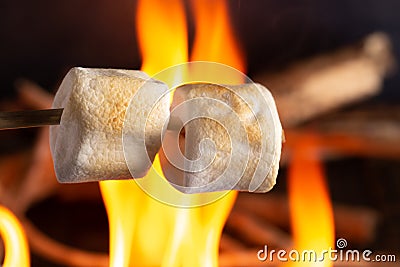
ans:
(88, 144)
(233, 138)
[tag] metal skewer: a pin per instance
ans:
(29, 118)
(38, 118)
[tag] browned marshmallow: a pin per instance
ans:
(87, 145)
(233, 138)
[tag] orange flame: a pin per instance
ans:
(214, 40)
(15, 242)
(144, 231)
(310, 205)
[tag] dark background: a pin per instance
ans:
(42, 39)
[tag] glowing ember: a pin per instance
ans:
(144, 231)
(310, 206)
(15, 243)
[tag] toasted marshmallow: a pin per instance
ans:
(100, 107)
(233, 139)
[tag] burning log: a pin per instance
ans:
(369, 131)
(357, 224)
(334, 143)
(379, 123)
(256, 232)
(229, 243)
(317, 85)
(39, 180)
(28, 177)
(34, 179)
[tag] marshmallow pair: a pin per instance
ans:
(111, 117)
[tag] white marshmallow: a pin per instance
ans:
(87, 145)
(246, 135)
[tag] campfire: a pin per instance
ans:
(141, 226)
(224, 228)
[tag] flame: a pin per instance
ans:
(310, 205)
(15, 242)
(144, 231)
(162, 34)
(215, 39)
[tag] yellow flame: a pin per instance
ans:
(162, 34)
(144, 231)
(310, 205)
(15, 242)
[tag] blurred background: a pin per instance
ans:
(286, 44)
